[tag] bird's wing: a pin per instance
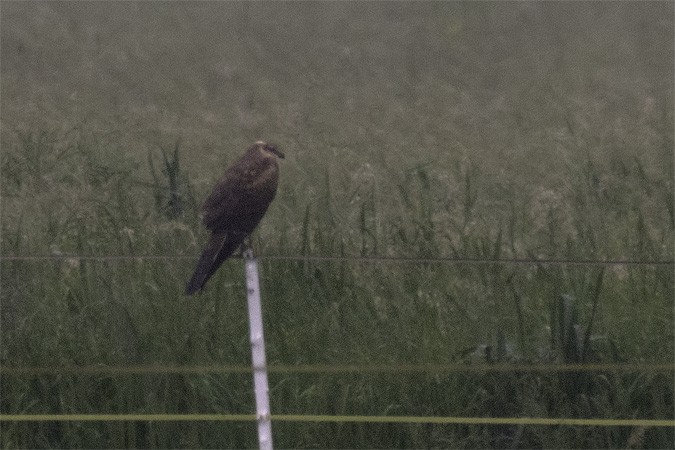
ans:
(226, 196)
(233, 204)
(220, 246)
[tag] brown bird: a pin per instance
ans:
(235, 208)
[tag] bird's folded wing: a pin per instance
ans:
(234, 207)
(205, 266)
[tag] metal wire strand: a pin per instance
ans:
(356, 259)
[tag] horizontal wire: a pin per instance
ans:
(337, 418)
(332, 369)
(363, 259)
(394, 259)
(476, 420)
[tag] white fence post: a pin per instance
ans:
(262, 400)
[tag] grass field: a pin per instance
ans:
(462, 130)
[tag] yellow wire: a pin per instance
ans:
(321, 418)
(338, 369)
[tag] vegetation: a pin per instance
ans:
(471, 131)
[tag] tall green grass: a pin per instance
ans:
(418, 130)
(69, 194)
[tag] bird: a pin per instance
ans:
(235, 207)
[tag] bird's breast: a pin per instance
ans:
(264, 177)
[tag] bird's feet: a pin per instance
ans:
(246, 248)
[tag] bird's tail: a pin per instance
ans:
(220, 246)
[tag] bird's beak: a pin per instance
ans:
(276, 151)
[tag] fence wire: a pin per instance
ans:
(351, 368)
(357, 259)
(541, 421)
(336, 369)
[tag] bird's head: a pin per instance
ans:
(268, 149)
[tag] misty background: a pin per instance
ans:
(448, 134)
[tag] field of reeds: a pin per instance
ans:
(510, 133)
